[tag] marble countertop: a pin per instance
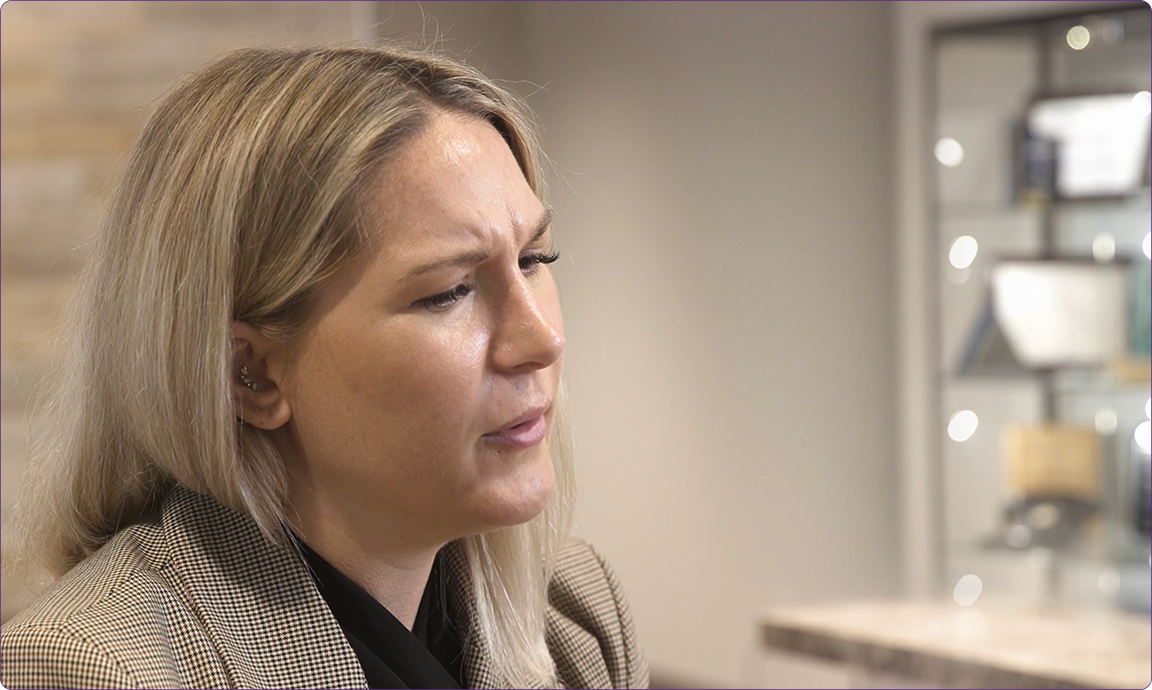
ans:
(989, 644)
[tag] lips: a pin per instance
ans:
(524, 431)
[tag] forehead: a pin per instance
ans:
(456, 178)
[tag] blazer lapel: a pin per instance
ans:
(255, 599)
(476, 667)
(270, 627)
(579, 658)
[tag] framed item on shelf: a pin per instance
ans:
(1086, 146)
(1061, 313)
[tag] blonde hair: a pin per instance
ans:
(237, 203)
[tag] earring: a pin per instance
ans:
(247, 380)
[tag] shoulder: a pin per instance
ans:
(585, 588)
(589, 620)
(76, 662)
(107, 609)
(196, 597)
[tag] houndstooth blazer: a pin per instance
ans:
(196, 597)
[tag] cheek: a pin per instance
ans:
(392, 388)
(438, 376)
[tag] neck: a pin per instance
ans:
(388, 559)
(395, 580)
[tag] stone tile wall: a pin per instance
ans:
(78, 81)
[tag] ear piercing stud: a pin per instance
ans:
(247, 380)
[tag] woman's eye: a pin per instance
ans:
(444, 300)
(529, 263)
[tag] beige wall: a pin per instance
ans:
(726, 219)
(725, 205)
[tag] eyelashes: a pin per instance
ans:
(529, 264)
(446, 299)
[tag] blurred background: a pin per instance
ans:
(856, 297)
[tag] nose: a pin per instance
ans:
(529, 332)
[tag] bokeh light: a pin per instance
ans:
(1104, 247)
(1078, 38)
(962, 425)
(1143, 436)
(1105, 421)
(949, 152)
(963, 251)
(967, 590)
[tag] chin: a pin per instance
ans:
(518, 503)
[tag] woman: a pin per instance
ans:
(311, 432)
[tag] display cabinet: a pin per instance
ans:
(1042, 218)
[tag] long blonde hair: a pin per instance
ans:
(237, 203)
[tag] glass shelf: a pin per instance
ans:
(1091, 575)
(986, 80)
(1141, 201)
(1064, 382)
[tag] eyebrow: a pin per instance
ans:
(475, 257)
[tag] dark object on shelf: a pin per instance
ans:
(1140, 311)
(1053, 523)
(1037, 168)
(1142, 491)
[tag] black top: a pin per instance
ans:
(428, 656)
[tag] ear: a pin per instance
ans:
(258, 366)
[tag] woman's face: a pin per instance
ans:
(422, 392)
